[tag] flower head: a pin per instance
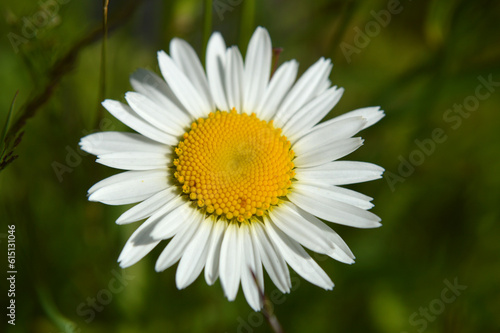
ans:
(232, 166)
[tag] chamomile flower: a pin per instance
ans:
(234, 168)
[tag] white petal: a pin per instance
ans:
(249, 263)
(234, 78)
(322, 154)
(176, 247)
(372, 115)
(309, 231)
(274, 263)
(135, 160)
(182, 87)
(137, 246)
(230, 266)
(169, 223)
(213, 252)
(129, 187)
(311, 113)
(126, 115)
(323, 135)
(340, 173)
(297, 257)
(323, 86)
(156, 89)
(303, 91)
(342, 251)
(215, 65)
(276, 90)
(195, 255)
(337, 193)
(114, 142)
(155, 114)
(148, 206)
(332, 210)
(186, 59)
(257, 69)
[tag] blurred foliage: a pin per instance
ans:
(441, 220)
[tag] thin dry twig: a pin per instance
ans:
(60, 68)
(267, 309)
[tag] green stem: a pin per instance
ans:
(48, 305)
(102, 79)
(207, 26)
(247, 23)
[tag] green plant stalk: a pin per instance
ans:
(102, 79)
(207, 26)
(247, 23)
(7, 123)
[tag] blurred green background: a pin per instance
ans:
(421, 61)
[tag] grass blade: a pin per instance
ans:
(7, 123)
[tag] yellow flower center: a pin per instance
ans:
(234, 165)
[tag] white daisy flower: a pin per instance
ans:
(232, 166)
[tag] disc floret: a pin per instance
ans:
(234, 165)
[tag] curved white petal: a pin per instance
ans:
(303, 91)
(149, 206)
(278, 87)
(322, 154)
(195, 104)
(156, 89)
(257, 69)
(340, 173)
(126, 115)
(310, 232)
(274, 263)
(323, 86)
(250, 262)
(234, 78)
(138, 245)
(337, 193)
(342, 252)
(129, 187)
(177, 245)
(135, 160)
(372, 115)
(323, 135)
(297, 257)
(115, 142)
(155, 114)
(186, 59)
(215, 65)
(311, 113)
(213, 252)
(333, 210)
(230, 266)
(194, 258)
(171, 222)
